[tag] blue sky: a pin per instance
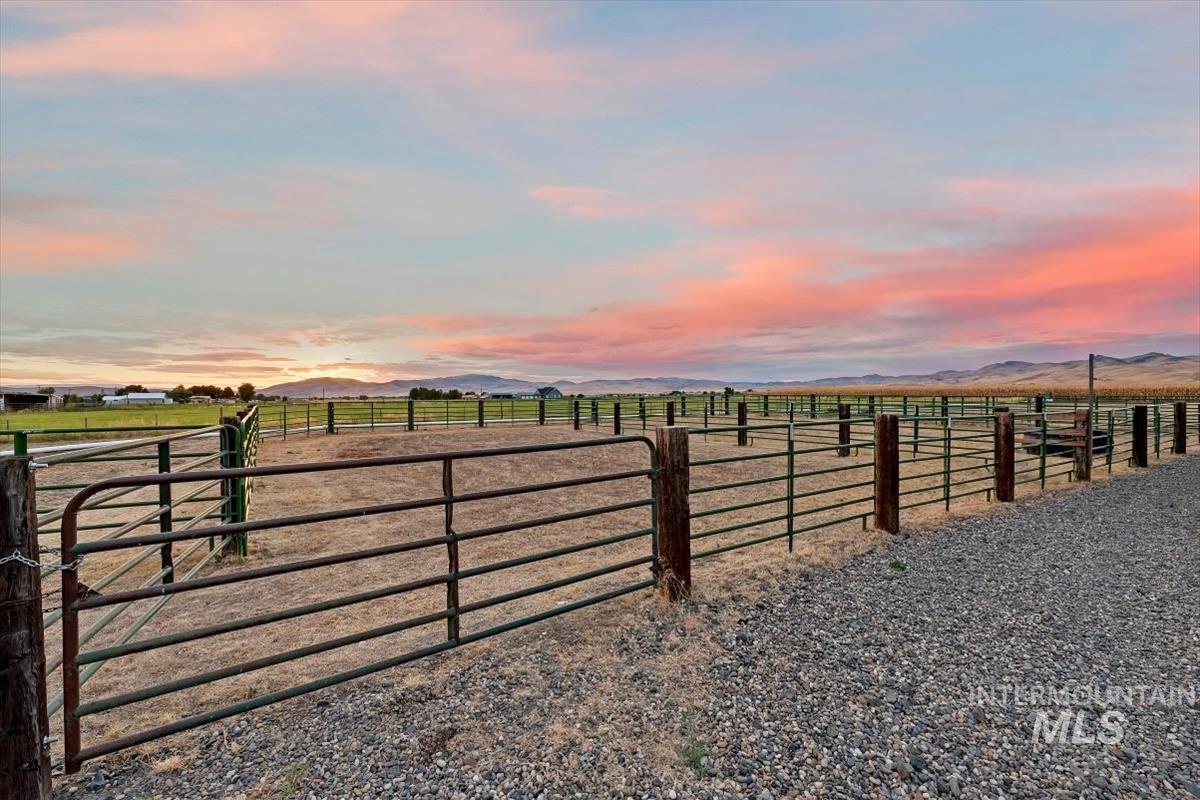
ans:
(380, 190)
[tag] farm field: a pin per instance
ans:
(116, 417)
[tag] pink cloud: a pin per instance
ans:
(1118, 271)
(41, 250)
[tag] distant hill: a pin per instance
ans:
(1150, 368)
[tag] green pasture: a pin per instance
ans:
(116, 416)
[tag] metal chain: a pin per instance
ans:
(29, 562)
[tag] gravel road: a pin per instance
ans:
(886, 677)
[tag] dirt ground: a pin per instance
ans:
(820, 474)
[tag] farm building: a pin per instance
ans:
(202, 399)
(544, 393)
(137, 399)
(28, 401)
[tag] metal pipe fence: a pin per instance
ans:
(79, 663)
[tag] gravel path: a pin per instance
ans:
(884, 678)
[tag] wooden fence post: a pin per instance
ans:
(945, 406)
(329, 421)
(575, 414)
(24, 726)
(766, 405)
(541, 412)
(742, 438)
(1005, 456)
(887, 473)
(616, 419)
(411, 412)
(712, 404)
(1141, 452)
(683, 404)
(1180, 428)
(726, 395)
(674, 514)
(1083, 455)
(479, 413)
(1039, 403)
(871, 405)
(812, 406)
(670, 413)
(843, 429)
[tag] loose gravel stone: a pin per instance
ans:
(847, 683)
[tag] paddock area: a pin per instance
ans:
(738, 497)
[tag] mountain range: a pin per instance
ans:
(1149, 368)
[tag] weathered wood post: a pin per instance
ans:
(24, 726)
(1141, 451)
(741, 421)
(1039, 403)
(1005, 456)
(945, 406)
(887, 473)
(542, 411)
(616, 419)
(812, 406)
(1180, 431)
(683, 404)
(1083, 455)
(674, 515)
(670, 413)
(411, 415)
(575, 414)
(712, 404)
(843, 429)
(871, 405)
(726, 396)
(766, 405)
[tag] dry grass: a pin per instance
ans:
(1056, 389)
(578, 635)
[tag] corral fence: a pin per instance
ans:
(617, 414)
(861, 465)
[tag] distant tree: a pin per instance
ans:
(729, 390)
(245, 392)
(260, 396)
(206, 389)
(179, 394)
(227, 393)
(70, 399)
(133, 387)
(46, 390)
(362, 397)
(425, 393)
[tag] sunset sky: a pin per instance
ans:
(197, 192)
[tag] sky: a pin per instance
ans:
(215, 192)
